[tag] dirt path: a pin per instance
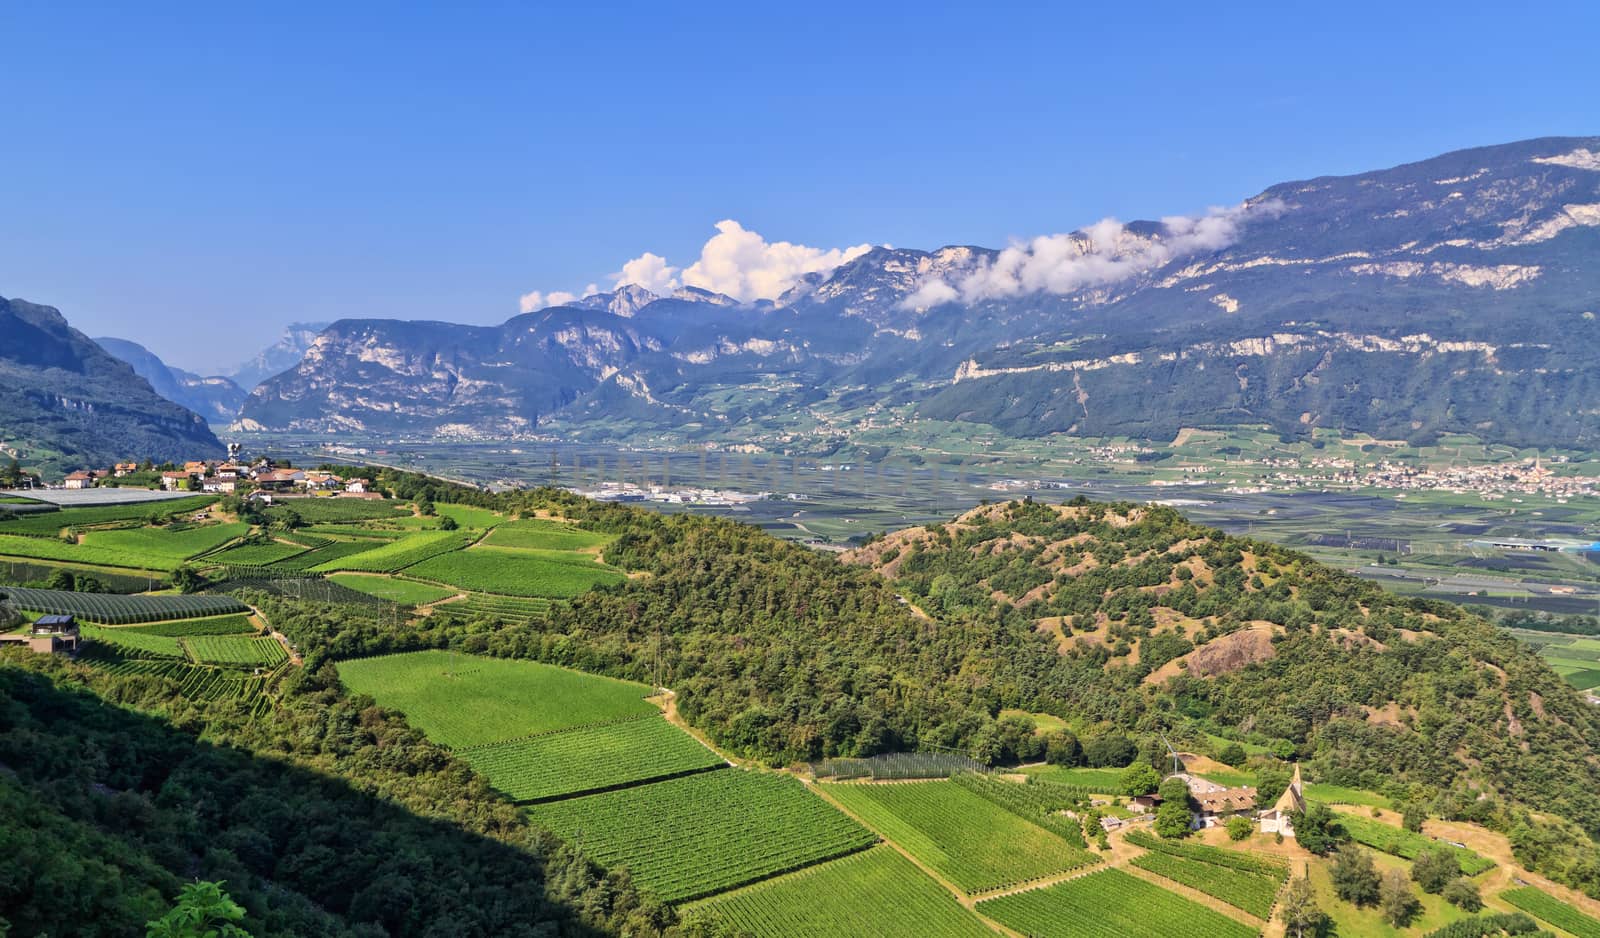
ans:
(288, 649)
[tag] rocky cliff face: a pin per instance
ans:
(66, 403)
(1458, 294)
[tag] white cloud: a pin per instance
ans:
(1103, 253)
(650, 271)
(537, 300)
(740, 263)
(932, 293)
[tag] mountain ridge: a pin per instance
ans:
(66, 403)
(1445, 295)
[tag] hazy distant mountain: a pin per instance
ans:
(278, 357)
(67, 403)
(1458, 294)
(215, 398)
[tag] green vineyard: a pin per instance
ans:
(1251, 892)
(1404, 843)
(1036, 802)
(967, 839)
(508, 609)
(695, 836)
(874, 892)
(590, 759)
(392, 589)
(335, 510)
(1109, 904)
(235, 650)
(1269, 867)
(397, 555)
(224, 625)
(466, 700)
(195, 683)
(538, 534)
(549, 574)
(134, 643)
(112, 609)
(1548, 908)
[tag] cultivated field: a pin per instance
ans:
(235, 650)
(1542, 905)
(874, 892)
(392, 589)
(184, 628)
(163, 548)
(590, 758)
(335, 510)
(113, 609)
(465, 700)
(1403, 843)
(550, 574)
(696, 836)
(967, 839)
(1109, 904)
(504, 608)
(544, 535)
(396, 555)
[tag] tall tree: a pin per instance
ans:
(1396, 900)
(1300, 912)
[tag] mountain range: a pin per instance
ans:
(216, 398)
(1454, 295)
(1457, 294)
(66, 403)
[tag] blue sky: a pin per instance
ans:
(195, 176)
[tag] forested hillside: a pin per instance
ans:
(326, 814)
(1128, 617)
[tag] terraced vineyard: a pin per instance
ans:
(695, 836)
(393, 589)
(255, 555)
(540, 534)
(590, 759)
(163, 548)
(1404, 843)
(397, 555)
(1548, 908)
(874, 892)
(509, 609)
(465, 700)
(112, 609)
(334, 510)
(1251, 892)
(235, 650)
(967, 839)
(196, 683)
(329, 553)
(1109, 904)
(1269, 867)
(1036, 802)
(549, 574)
(225, 625)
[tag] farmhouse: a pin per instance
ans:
(80, 480)
(1216, 803)
(172, 481)
(1277, 820)
(49, 635)
(357, 486)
